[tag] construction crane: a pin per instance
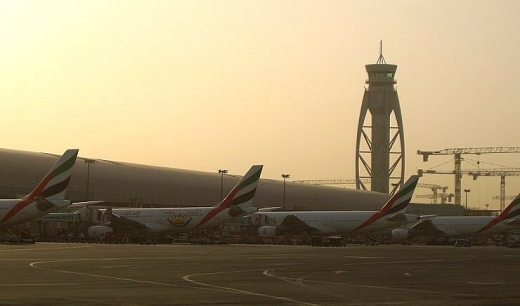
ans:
(458, 160)
(433, 197)
(476, 173)
(435, 194)
(329, 182)
(498, 172)
(506, 197)
(424, 196)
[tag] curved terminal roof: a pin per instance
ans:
(127, 184)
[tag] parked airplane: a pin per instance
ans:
(48, 195)
(161, 220)
(392, 214)
(458, 226)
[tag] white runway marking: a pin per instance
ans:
(38, 264)
(36, 285)
(415, 271)
(61, 247)
(233, 290)
(117, 267)
(297, 281)
(271, 273)
(486, 284)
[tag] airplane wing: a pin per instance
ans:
(426, 217)
(43, 204)
(292, 223)
(399, 217)
(512, 222)
(120, 222)
(269, 209)
(426, 227)
(83, 204)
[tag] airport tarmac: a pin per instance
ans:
(183, 274)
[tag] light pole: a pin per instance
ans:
(466, 191)
(222, 172)
(88, 162)
(285, 176)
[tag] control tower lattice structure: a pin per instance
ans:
(380, 152)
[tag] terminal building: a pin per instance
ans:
(121, 184)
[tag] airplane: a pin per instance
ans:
(49, 194)
(146, 221)
(460, 226)
(391, 215)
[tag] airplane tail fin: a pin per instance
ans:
(400, 200)
(52, 188)
(512, 212)
(244, 191)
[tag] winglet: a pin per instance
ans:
(244, 191)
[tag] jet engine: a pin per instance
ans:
(401, 234)
(269, 231)
(99, 231)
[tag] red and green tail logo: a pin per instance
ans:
(43, 191)
(243, 192)
(511, 211)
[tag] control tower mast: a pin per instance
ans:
(380, 141)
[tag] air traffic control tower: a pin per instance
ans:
(380, 136)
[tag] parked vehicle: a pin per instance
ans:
(462, 242)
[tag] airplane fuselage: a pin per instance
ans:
(159, 220)
(336, 222)
(469, 226)
(15, 211)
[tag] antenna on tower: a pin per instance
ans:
(381, 59)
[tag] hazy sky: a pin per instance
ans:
(205, 85)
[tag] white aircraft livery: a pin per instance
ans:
(161, 220)
(391, 215)
(459, 226)
(48, 195)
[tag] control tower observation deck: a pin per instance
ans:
(380, 137)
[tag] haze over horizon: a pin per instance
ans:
(208, 85)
